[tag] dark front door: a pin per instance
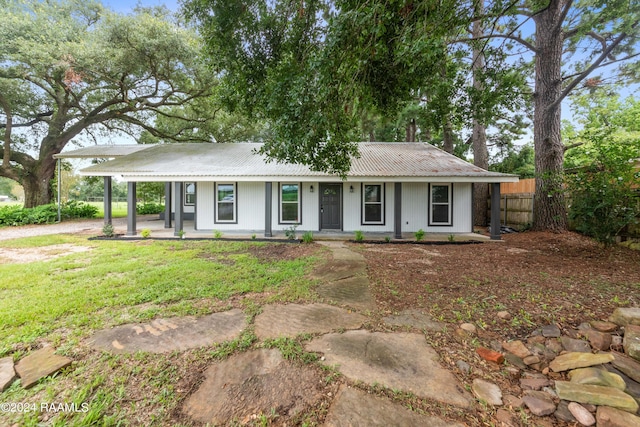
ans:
(331, 206)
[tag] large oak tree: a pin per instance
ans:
(72, 71)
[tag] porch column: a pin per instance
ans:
(495, 211)
(131, 209)
(167, 205)
(397, 211)
(267, 209)
(179, 207)
(107, 200)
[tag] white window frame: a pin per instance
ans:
(187, 194)
(449, 205)
(281, 202)
(234, 202)
(365, 203)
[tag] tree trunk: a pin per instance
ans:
(37, 184)
(549, 205)
(447, 135)
(479, 134)
(410, 131)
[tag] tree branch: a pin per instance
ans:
(39, 118)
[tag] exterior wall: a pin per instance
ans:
(415, 208)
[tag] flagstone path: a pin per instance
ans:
(259, 381)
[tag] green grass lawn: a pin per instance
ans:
(117, 281)
(118, 209)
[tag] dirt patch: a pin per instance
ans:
(43, 253)
(282, 251)
(539, 277)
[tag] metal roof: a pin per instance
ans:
(240, 162)
(102, 151)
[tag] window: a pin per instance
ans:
(225, 203)
(290, 203)
(189, 193)
(373, 204)
(440, 209)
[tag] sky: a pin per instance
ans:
(126, 6)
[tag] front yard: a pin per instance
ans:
(59, 290)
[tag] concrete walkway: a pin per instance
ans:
(258, 381)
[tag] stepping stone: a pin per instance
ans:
(352, 291)
(611, 417)
(596, 395)
(293, 319)
(39, 364)
(341, 252)
(353, 407)
(339, 269)
(626, 316)
(415, 319)
(486, 391)
(401, 361)
(568, 361)
(7, 373)
(255, 382)
(166, 335)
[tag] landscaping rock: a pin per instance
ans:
(599, 340)
(490, 355)
(416, 319)
(463, 367)
(533, 383)
(595, 376)
(596, 395)
(611, 417)
(469, 327)
(517, 348)
(7, 373)
(554, 345)
(575, 345)
(627, 365)
(506, 418)
(487, 392)
(631, 342)
(39, 364)
(562, 412)
(603, 326)
(581, 415)
(574, 360)
(512, 401)
(551, 331)
(515, 360)
(504, 315)
(353, 407)
(539, 403)
(292, 319)
(402, 361)
(531, 360)
(626, 316)
(632, 387)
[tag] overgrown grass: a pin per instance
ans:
(117, 281)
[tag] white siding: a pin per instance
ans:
(352, 209)
(205, 199)
(415, 205)
(310, 208)
(250, 207)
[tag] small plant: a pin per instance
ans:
(217, 234)
(387, 239)
(182, 234)
(307, 237)
(359, 236)
(419, 235)
(253, 236)
(291, 232)
(145, 233)
(108, 230)
(451, 238)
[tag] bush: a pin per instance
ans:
(307, 237)
(149, 208)
(45, 214)
(359, 236)
(601, 193)
(419, 235)
(145, 233)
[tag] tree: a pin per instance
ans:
(71, 71)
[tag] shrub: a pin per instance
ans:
(359, 236)
(18, 215)
(307, 237)
(419, 235)
(217, 234)
(145, 233)
(108, 230)
(291, 232)
(149, 208)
